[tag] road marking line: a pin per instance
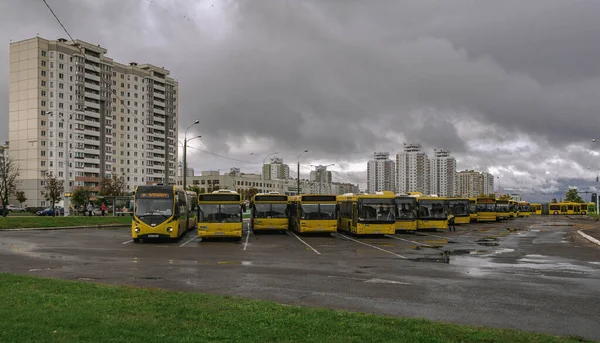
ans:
(588, 237)
(374, 280)
(374, 247)
(408, 240)
(308, 245)
(247, 237)
(129, 241)
(188, 241)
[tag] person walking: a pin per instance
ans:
(103, 209)
(451, 226)
(90, 209)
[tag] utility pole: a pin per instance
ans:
(305, 151)
(185, 141)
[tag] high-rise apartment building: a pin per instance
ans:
(442, 173)
(276, 170)
(412, 170)
(487, 180)
(82, 116)
(381, 173)
(322, 177)
(471, 183)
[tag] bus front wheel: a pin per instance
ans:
(583, 212)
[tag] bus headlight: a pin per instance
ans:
(137, 230)
(169, 229)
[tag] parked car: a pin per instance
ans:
(48, 211)
(13, 208)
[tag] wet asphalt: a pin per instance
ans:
(533, 274)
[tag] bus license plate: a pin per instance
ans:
(377, 232)
(271, 227)
(319, 229)
(219, 233)
(152, 236)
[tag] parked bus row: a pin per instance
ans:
(169, 212)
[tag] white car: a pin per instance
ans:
(13, 208)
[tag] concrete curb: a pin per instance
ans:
(588, 237)
(105, 226)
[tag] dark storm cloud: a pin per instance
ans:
(346, 78)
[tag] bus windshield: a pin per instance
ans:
(486, 207)
(377, 210)
(432, 210)
(270, 211)
(145, 207)
(406, 210)
(459, 208)
(501, 207)
(215, 213)
(318, 211)
(525, 208)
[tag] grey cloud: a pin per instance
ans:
(346, 78)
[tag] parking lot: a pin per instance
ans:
(534, 273)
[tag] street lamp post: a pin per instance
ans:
(597, 192)
(185, 141)
(298, 189)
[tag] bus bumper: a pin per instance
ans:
(462, 220)
(409, 225)
(376, 229)
(206, 234)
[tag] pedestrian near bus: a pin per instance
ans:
(103, 209)
(90, 209)
(451, 226)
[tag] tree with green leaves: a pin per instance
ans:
(54, 189)
(81, 197)
(505, 197)
(9, 180)
(194, 188)
(573, 196)
(554, 201)
(114, 186)
(21, 198)
(251, 192)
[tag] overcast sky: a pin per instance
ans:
(510, 87)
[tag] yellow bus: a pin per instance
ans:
(220, 214)
(486, 209)
(406, 213)
(512, 209)
(432, 214)
(571, 208)
(159, 212)
(536, 209)
(502, 209)
(459, 207)
(472, 210)
(269, 212)
(313, 213)
(368, 214)
(192, 202)
(524, 209)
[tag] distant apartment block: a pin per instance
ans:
(70, 103)
(322, 177)
(442, 172)
(381, 173)
(412, 170)
(471, 183)
(276, 170)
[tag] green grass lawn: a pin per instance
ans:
(35, 221)
(46, 310)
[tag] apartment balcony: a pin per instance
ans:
(94, 170)
(159, 111)
(89, 104)
(92, 95)
(89, 57)
(88, 179)
(159, 87)
(93, 77)
(92, 86)
(91, 151)
(160, 96)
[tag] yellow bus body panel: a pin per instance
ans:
(472, 217)
(432, 224)
(462, 220)
(160, 229)
(270, 224)
(406, 225)
(486, 216)
(375, 229)
(329, 225)
(220, 229)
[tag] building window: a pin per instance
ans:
(44, 73)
